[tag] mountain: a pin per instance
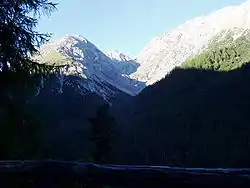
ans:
(104, 73)
(118, 56)
(172, 49)
(97, 72)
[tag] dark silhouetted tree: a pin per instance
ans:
(19, 41)
(101, 134)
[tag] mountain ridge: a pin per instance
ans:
(95, 68)
(172, 49)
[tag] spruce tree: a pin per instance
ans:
(19, 41)
(101, 135)
(18, 38)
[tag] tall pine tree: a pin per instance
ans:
(19, 41)
(18, 38)
(101, 135)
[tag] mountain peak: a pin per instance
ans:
(97, 72)
(76, 37)
(69, 40)
(118, 56)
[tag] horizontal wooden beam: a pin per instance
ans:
(124, 175)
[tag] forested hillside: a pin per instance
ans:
(223, 53)
(198, 116)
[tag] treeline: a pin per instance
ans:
(223, 57)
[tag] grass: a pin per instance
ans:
(55, 58)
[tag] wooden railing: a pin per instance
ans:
(63, 173)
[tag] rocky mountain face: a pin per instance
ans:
(172, 49)
(97, 72)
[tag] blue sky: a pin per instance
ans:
(124, 25)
